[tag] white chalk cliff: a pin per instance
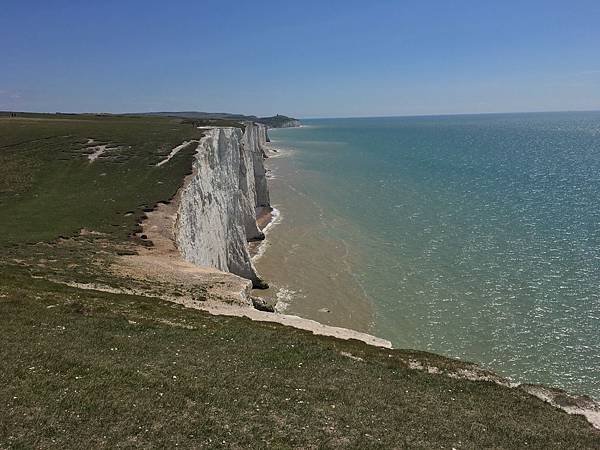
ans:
(218, 205)
(292, 123)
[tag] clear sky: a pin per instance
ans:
(323, 58)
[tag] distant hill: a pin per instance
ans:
(277, 121)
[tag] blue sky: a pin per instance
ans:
(301, 58)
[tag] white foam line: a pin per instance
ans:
(175, 151)
(278, 151)
(276, 218)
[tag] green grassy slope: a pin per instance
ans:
(89, 369)
(48, 186)
(82, 368)
(276, 121)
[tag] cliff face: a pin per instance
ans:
(254, 138)
(290, 124)
(217, 210)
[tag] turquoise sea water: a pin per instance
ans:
(477, 236)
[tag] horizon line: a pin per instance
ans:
(554, 111)
(312, 117)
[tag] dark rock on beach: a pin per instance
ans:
(264, 304)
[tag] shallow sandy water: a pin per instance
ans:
(308, 270)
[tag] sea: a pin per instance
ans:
(472, 236)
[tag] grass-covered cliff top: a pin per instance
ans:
(276, 121)
(82, 368)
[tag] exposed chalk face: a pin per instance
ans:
(216, 215)
(255, 137)
(292, 123)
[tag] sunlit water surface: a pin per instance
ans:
(475, 236)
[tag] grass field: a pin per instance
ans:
(82, 368)
(49, 187)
